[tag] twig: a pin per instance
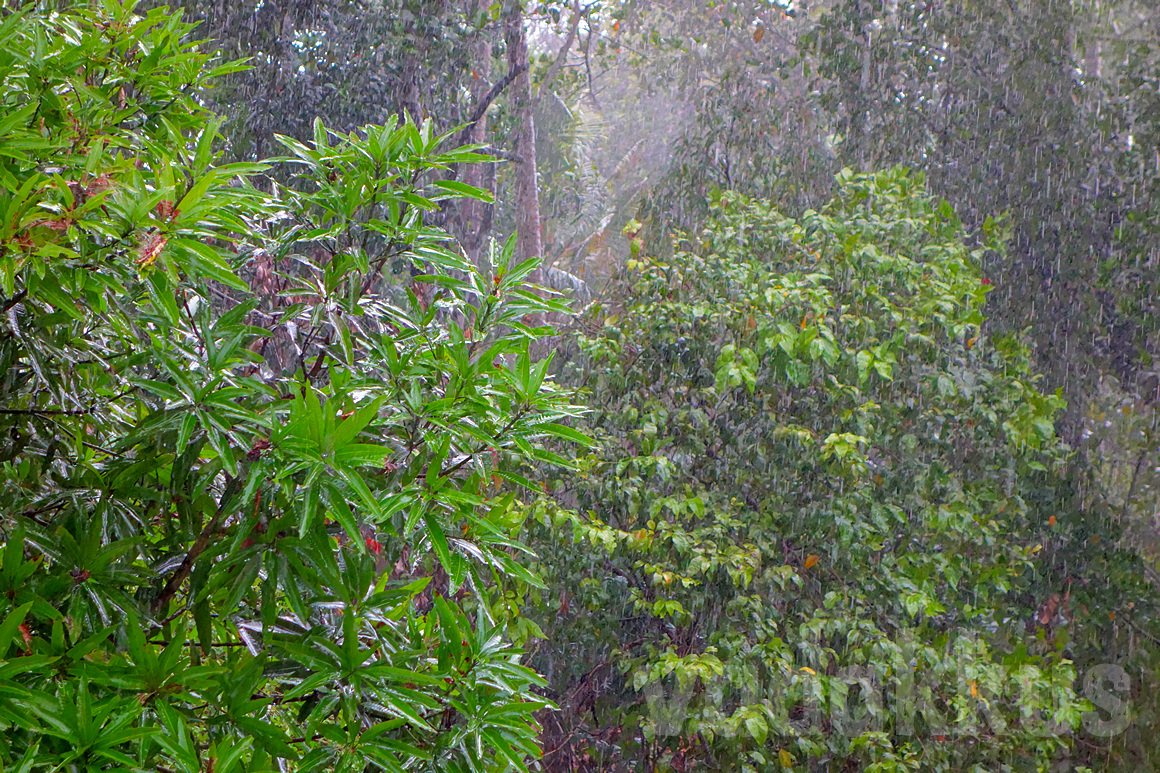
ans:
(20, 295)
(1141, 631)
(200, 544)
(43, 412)
(558, 62)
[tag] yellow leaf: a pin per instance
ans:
(809, 670)
(811, 561)
(785, 758)
(974, 689)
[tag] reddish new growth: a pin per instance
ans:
(374, 546)
(166, 210)
(986, 282)
(98, 184)
(255, 452)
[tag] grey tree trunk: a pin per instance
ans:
(527, 188)
(473, 218)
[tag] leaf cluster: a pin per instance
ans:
(262, 444)
(815, 505)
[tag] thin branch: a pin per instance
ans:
(554, 69)
(1141, 631)
(500, 153)
(492, 93)
(1126, 510)
(20, 295)
(587, 64)
(42, 412)
(199, 546)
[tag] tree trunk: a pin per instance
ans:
(415, 61)
(527, 202)
(473, 218)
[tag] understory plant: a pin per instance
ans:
(810, 537)
(261, 442)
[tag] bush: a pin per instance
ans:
(810, 536)
(254, 446)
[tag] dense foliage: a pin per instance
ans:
(811, 532)
(288, 482)
(252, 443)
(1066, 99)
(352, 61)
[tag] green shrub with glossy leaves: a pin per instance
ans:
(811, 537)
(256, 449)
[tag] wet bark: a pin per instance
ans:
(473, 218)
(527, 195)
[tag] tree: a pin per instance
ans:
(813, 528)
(527, 192)
(352, 61)
(944, 86)
(1038, 109)
(356, 62)
(254, 475)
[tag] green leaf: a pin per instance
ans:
(567, 433)
(458, 189)
(11, 625)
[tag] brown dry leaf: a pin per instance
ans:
(151, 248)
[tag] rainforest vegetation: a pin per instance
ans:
(579, 385)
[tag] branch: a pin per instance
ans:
(42, 412)
(500, 153)
(554, 68)
(1125, 511)
(20, 295)
(1141, 631)
(492, 93)
(199, 546)
(588, 67)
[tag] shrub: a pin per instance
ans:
(254, 444)
(809, 537)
